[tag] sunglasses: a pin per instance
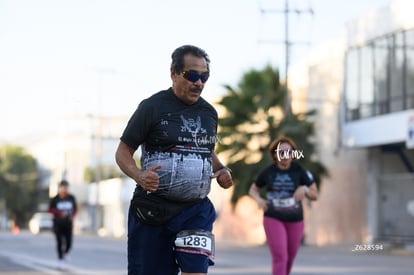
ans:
(193, 76)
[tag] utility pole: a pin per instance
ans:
(288, 99)
(286, 11)
(98, 149)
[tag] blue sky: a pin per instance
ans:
(60, 57)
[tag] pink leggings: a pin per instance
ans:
(283, 239)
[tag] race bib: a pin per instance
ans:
(195, 241)
(283, 203)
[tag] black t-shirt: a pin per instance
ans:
(280, 186)
(63, 209)
(180, 138)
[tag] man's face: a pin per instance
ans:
(186, 90)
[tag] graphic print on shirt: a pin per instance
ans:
(198, 133)
(186, 168)
(65, 206)
(281, 193)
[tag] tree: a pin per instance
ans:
(253, 115)
(18, 183)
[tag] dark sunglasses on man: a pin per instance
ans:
(193, 76)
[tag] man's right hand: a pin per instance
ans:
(149, 179)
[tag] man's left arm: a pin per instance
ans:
(75, 208)
(221, 173)
(52, 208)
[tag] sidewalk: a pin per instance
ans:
(314, 260)
(26, 266)
(387, 248)
(10, 267)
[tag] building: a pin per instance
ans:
(362, 85)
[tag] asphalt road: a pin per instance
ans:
(27, 254)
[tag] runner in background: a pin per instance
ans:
(63, 208)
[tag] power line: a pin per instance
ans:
(286, 11)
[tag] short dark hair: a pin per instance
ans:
(64, 183)
(177, 63)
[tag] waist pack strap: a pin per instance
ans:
(152, 209)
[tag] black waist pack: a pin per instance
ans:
(154, 210)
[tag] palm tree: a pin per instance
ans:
(253, 116)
